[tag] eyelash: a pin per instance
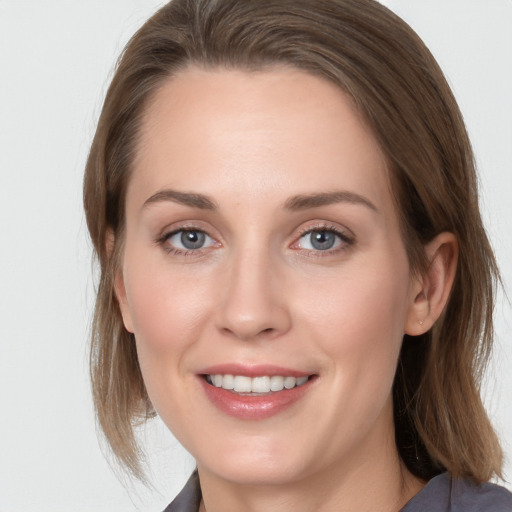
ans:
(346, 240)
(164, 239)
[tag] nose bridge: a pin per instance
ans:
(253, 303)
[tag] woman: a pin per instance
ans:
(294, 272)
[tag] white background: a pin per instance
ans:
(56, 57)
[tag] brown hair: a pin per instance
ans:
(374, 56)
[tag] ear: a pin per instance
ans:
(118, 282)
(430, 292)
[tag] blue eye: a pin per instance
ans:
(189, 240)
(321, 240)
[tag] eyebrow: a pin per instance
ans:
(295, 203)
(304, 202)
(185, 198)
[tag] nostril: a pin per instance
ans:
(250, 333)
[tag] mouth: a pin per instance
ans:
(255, 393)
(256, 386)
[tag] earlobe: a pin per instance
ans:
(431, 291)
(118, 282)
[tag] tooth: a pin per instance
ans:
(242, 384)
(289, 382)
(264, 384)
(302, 380)
(261, 384)
(276, 383)
(228, 382)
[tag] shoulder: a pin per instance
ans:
(446, 494)
(468, 496)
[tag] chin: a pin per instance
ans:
(254, 463)
(255, 473)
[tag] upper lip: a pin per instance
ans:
(253, 370)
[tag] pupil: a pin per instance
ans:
(322, 240)
(192, 239)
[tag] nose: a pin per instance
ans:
(253, 301)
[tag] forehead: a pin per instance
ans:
(274, 132)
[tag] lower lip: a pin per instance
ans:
(258, 407)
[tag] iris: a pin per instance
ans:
(322, 240)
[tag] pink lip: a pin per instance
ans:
(249, 407)
(252, 370)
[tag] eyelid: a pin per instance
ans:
(163, 239)
(173, 234)
(344, 234)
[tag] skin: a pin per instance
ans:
(258, 292)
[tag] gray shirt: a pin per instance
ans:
(441, 494)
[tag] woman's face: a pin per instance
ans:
(263, 252)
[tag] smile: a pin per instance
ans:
(255, 393)
(255, 385)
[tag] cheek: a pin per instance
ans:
(168, 309)
(162, 314)
(168, 314)
(362, 300)
(359, 319)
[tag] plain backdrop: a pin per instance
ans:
(56, 57)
